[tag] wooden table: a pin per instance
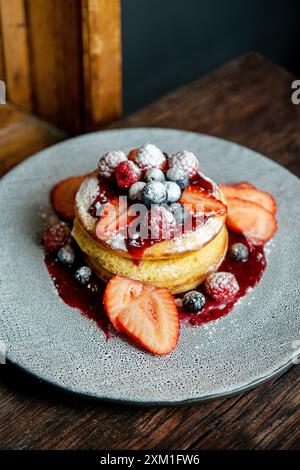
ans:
(247, 101)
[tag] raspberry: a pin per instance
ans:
(187, 161)
(160, 223)
(221, 286)
(149, 156)
(109, 161)
(127, 173)
(55, 238)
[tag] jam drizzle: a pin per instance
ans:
(89, 300)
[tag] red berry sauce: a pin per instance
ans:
(247, 273)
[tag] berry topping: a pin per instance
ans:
(154, 174)
(114, 218)
(185, 160)
(149, 156)
(178, 176)
(253, 221)
(109, 161)
(63, 196)
(193, 301)
(245, 191)
(55, 237)
(132, 154)
(127, 173)
(136, 191)
(239, 252)
(221, 286)
(154, 193)
(197, 200)
(145, 313)
(83, 275)
(179, 212)
(66, 255)
(173, 191)
(160, 223)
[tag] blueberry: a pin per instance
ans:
(179, 176)
(193, 301)
(179, 212)
(83, 275)
(154, 174)
(173, 191)
(136, 191)
(154, 193)
(239, 252)
(66, 255)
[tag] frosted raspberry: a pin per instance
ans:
(109, 161)
(221, 286)
(127, 173)
(185, 160)
(160, 223)
(149, 156)
(55, 238)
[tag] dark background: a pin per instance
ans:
(167, 43)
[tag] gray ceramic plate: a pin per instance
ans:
(56, 343)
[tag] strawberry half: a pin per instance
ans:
(248, 192)
(198, 200)
(143, 312)
(252, 220)
(114, 218)
(63, 196)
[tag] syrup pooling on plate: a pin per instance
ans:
(247, 273)
(89, 301)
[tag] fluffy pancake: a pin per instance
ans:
(177, 247)
(177, 274)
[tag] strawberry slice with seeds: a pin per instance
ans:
(250, 193)
(114, 218)
(252, 220)
(197, 200)
(145, 313)
(63, 196)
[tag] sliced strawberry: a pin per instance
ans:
(253, 221)
(197, 200)
(245, 191)
(132, 154)
(114, 218)
(244, 184)
(63, 196)
(143, 312)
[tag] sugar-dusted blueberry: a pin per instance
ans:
(154, 174)
(173, 191)
(154, 193)
(178, 176)
(239, 252)
(136, 191)
(83, 275)
(193, 301)
(179, 212)
(66, 255)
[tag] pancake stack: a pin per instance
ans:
(179, 264)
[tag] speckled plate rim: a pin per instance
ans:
(127, 402)
(190, 401)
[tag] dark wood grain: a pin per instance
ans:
(247, 101)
